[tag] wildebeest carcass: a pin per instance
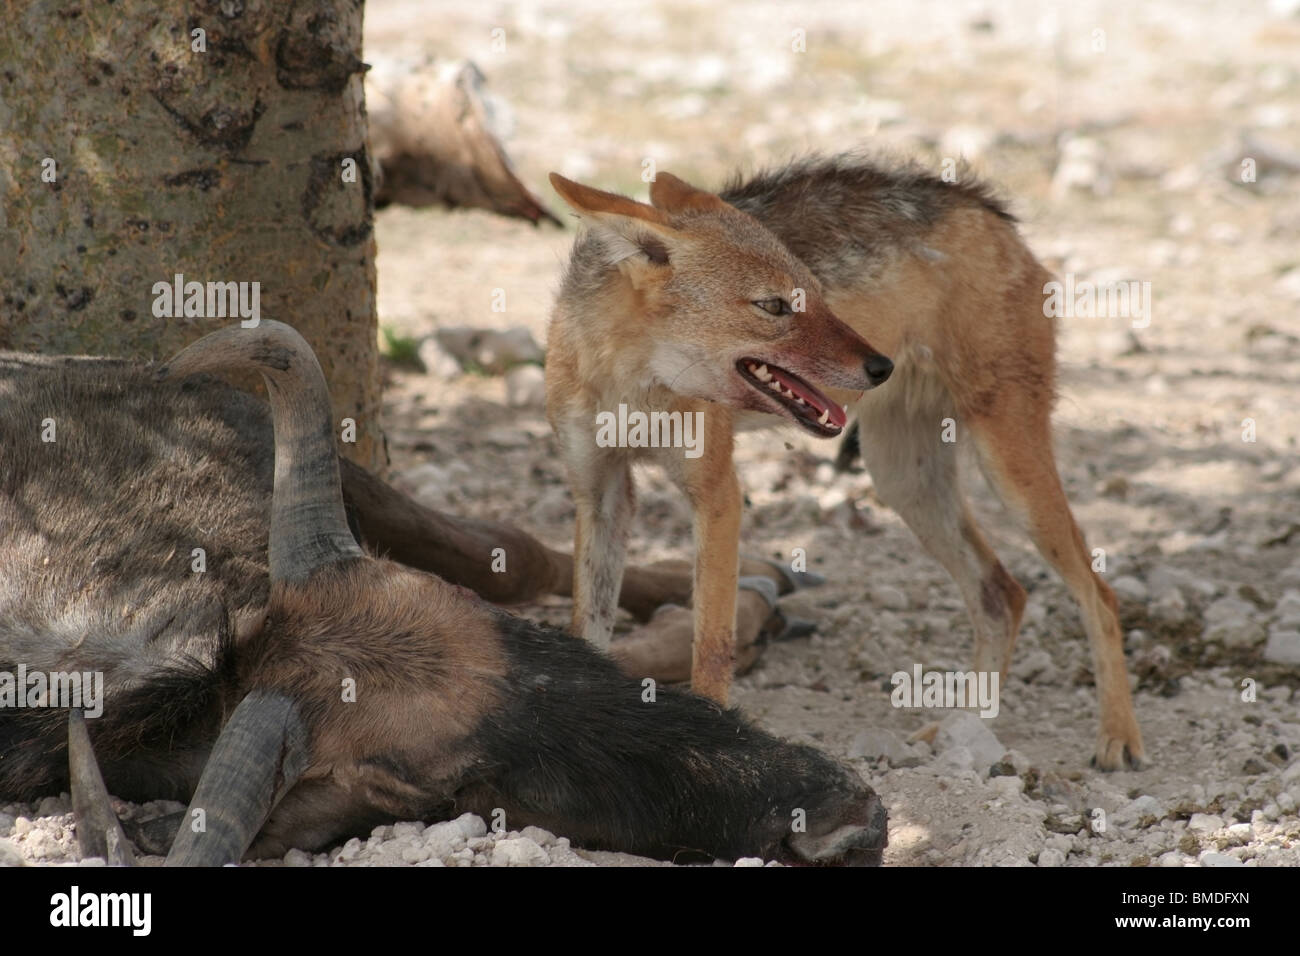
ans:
(297, 689)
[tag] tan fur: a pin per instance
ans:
(969, 340)
(658, 308)
(417, 704)
(935, 275)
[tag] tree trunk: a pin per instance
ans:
(135, 148)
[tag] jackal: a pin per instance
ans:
(935, 275)
(687, 311)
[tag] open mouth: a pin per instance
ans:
(807, 406)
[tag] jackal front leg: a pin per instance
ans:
(717, 502)
(603, 498)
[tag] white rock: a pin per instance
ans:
(38, 844)
(965, 729)
(1172, 858)
(519, 851)
(890, 598)
(1283, 646)
(1286, 802)
(1231, 622)
(526, 387)
(1170, 606)
(350, 850)
(416, 853)
(1240, 833)
(749, 861)
(9, 855)
(296, 857)
(1051, 857)
(1008, 788)
(1037, 663)
(1205, 823)
(1164, 577)
(22, 826)
(955, 758)
(443, 839)
(877, 742)
(1211, 858)
(1130, 588)
(540, 837)
(1139, 809)
(404, 831)
(471, 826)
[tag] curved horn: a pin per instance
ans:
(261, 753)
(308, 525)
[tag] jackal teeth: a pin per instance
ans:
(774, 386)
(763, 374)
(825, 417)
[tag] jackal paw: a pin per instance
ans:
(1119, 751)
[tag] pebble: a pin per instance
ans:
(1144, 808)
(1283, 646)
(890, 598)
(9, 855)
(1129, 588)
(876, 743)
(1211, 858)
(1205, 823)
(520, 851)
(1051, 857)
(1230, 621)
(968, 731)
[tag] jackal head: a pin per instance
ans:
(730, 315)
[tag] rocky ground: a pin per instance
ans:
(1123, 163)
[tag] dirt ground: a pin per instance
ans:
(1201, 529)
(1149, 423)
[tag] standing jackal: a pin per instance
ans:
(682, 311)
(932, 273)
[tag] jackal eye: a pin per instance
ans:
(775, 306)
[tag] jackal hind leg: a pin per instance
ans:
(915, 472)
(1014, 439)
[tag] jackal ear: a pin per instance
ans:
(627, 229)
(671, 194)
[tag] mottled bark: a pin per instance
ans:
(224, 165)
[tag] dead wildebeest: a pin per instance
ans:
(298, 690)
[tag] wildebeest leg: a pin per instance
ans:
(98, 831)
(661, 648)
(463, 551)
